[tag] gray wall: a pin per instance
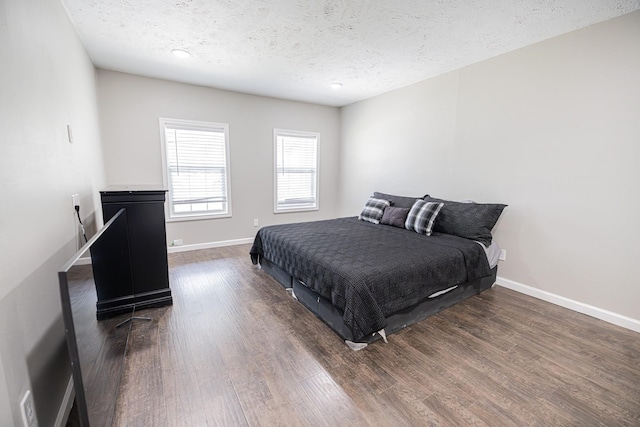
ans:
(129, 110)
(46, 82)
(552, 130)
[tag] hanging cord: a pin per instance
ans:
(81, 224)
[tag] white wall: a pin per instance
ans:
(552, 130)
(46, 82)
(130, 107)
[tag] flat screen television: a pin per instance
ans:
(96, 347)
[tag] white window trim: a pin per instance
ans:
(193, 124)
(289, 132)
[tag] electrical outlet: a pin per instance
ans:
(256, 223)
(503, 255)
(28, 410)
(177, 242)
(75, 200)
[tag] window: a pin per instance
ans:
(196, 168)
(296, 170)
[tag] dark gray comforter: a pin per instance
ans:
(369, 271)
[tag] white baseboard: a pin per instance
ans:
(208, 245)
(66, 405)
(185, 248)
(598, 313)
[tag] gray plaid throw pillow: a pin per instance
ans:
(373, 210)
(422, 216)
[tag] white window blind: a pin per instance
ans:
(296, 170)
(196, 168)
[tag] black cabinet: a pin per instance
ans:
(144, 210)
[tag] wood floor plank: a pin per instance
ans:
(336, 405)
(236, 350)
(141, 394)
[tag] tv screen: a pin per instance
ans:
(96, 347)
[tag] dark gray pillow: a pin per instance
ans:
(394, 216)
(397, 201)
(469, 220)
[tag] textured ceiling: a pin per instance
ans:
(294, 49)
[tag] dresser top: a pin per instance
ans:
(134, 188)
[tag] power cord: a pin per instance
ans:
(77, 207)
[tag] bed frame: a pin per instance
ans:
(332, 316)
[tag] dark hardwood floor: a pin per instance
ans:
(236, 350)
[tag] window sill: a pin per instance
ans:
(198, 217)
(294, 210)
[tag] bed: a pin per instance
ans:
(367, 277)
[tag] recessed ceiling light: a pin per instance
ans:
(336, 85)
(181, 53)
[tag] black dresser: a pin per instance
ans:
(147, 247)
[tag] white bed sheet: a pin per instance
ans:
(493, 252)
